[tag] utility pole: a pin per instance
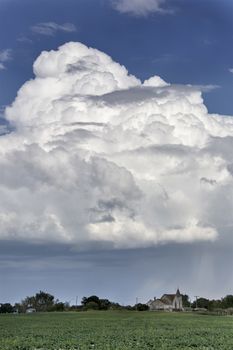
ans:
(70, 301)
(137, 303)
(196, 296)
(190, 301)
(76, 301)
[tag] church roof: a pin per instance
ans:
(166, 298)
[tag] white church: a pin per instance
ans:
(168, 302)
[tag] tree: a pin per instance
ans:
(227, 301)
(92, 298)
(141, 307)
(104, 304)
(185, 300)
(28, 302)
(215, 304)
(6, 308)
(94, 302)
(59, 306)
(18, 307)
(91, 305)
(42, 301)
(115, 306)
(202, 303)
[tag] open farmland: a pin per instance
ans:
(115, 330)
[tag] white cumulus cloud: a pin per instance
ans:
(99, 156)
(140, 7)
(51, 28)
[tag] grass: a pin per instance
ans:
(114, 330)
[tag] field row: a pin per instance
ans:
(115, 331)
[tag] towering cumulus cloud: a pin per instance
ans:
(98, 156)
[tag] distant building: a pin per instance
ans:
(30, 310)
(169, 302)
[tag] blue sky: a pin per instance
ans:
(192, 45)
(151, 168)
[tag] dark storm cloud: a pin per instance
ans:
(121, 275)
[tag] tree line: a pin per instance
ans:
(45, 302)
(208, 304)
(213, 304)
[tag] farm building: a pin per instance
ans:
(30, 310)
(169, 302)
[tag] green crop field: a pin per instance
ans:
(115, 330)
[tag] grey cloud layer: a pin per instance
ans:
(114, 274)
(99, 157)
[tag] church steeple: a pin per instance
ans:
(178, 292)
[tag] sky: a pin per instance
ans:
(116, 166)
